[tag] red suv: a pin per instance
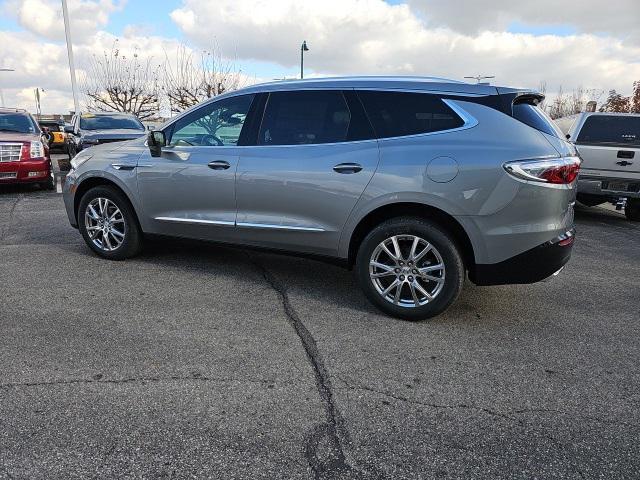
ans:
(24, 155)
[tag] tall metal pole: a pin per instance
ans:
(303, 48)
(72, 69)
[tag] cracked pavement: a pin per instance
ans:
(195, 360)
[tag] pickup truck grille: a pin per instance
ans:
(10, 152)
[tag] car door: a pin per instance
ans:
(314, 155)
(190, 189)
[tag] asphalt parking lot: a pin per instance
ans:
(195, 360)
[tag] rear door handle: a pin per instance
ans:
(347, 168)
(218, 165)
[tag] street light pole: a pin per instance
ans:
(72, 69)
(303, 48)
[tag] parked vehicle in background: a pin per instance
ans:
(53, 130)
(413, 181)
(609, 144)
(90, 129)
(24, 154)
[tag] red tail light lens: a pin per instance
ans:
(556, 171)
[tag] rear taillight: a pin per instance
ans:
(556, 171)
(32, 150)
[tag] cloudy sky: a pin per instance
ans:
(589, 43)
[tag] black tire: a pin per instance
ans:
(132, 243)
(440, 239)
(632, 210)
(50, 184)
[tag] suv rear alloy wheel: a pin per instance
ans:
(108, 224)
(410, 268)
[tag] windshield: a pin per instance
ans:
(16, 122)
(535, 117)
(109, 122)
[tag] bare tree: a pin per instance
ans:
(116, 82)
(564, 104)
(189, 80)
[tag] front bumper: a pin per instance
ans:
(68, 195)
(25, 171)
(600, 186)
(528, 267)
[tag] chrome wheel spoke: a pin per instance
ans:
(422, 290)
(431, 278)
(416, 301)
(426, 250)
(396, 248)
(390, 287)
(431, 268)
(116, 233)
(396, 298)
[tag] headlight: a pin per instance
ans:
(78, 160)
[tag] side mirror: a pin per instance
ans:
(68, 129)
(156, 140)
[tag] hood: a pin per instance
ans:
(19, 137)
(112, 134)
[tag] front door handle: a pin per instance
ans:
(218, 165)
(347, 168)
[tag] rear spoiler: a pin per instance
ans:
(510, 97)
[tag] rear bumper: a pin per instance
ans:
(24, 171)
(601, 186)
(528, 267)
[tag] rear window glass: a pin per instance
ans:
(610, 130)
(396, 114)
(535, 117)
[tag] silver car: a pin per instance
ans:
(413, 182)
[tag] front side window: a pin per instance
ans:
(619, 130)
(109, 122)
(215, 124)
(305, 117)
(16, 122)
(396, 114)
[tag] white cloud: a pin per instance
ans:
(619, 18)
(44, 17)
(373, 37)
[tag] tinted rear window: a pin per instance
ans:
(610, 130)
(536, 118)
(395, 114)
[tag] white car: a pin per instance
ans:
(609, 144)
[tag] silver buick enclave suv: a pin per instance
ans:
(414, 182)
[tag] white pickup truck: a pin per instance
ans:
(609, 144)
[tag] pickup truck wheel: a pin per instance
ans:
(632, 210)
(410, 268)
(108, 223)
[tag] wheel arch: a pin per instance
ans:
(87, 184)
(403, 209)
